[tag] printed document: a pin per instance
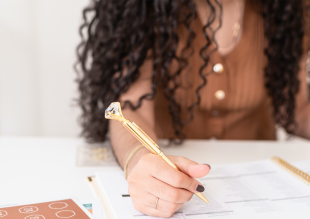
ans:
(247, 190)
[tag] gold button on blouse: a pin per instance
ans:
(218, 68)
(215, 113)
(220, 95)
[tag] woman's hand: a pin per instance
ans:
(151, 177)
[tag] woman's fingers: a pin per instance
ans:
(164, 172)
(153, 178)
(162, 205)
(190, 167)
(161, 190)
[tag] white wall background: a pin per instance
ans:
(37, 52)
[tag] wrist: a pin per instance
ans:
(135, 159)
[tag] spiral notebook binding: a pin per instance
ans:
(295, 171)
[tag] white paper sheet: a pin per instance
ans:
(249, 190)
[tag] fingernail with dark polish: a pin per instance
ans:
(200, 188)
(208, 165)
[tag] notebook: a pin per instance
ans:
(66, 207)
(262, 189)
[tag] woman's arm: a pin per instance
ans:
(302, 113)
(149, 177)
(123, 142)
(303, 121)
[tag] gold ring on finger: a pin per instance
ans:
(156, 202)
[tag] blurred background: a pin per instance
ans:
(37, 52)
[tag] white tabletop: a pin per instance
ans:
(32, 168)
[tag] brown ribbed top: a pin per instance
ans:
(245, 112)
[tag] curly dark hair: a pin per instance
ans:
(121, 33)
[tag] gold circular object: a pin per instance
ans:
(218, 68)
(156, 202)
(220, 95)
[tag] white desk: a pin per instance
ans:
(32, 168)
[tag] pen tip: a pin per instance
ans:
(202, 197)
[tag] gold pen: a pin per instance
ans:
(114, 111)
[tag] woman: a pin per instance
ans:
(229, 69)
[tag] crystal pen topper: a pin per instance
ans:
(114, 111)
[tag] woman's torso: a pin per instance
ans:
(245, 111)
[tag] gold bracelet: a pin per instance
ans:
(129, 157)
